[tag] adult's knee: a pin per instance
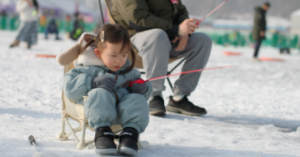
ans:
(202, 38)
(159, 34)
(158, 37)
(153, 42)
(202, 45)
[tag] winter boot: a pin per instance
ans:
(14, 44)
(254, 59)
(186, 107)
(128, 143)
(28, 46)
(104, 141)
(157, 106)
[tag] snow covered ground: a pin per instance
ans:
(253, 108)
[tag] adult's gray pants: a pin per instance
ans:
(155, 48)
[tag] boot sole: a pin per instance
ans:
(127, 151)
(158, 113)
(178, 110)
(107, 151)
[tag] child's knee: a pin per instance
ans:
(135, 98)
(134, 102)
(99, 96)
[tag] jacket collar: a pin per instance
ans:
(89, 58)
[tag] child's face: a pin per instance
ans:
(112, 56)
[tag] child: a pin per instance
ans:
(102, 73)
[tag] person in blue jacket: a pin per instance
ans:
(52, 28)
(102, 74)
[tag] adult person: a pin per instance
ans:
(259, 27)
(52, 28)
(29, 11)
(160, 30)
(78, 26)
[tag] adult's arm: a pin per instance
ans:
(183, 14)
(261, 21)
(22, 5)
(137, 15)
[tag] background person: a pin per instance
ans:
(259, 27)
(29, 11)
(52, 28)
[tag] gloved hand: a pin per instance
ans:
(105, 82)
(139, 88)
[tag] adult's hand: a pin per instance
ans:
(188, 26)
(183, 41)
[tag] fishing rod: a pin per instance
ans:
(218, 7)
(141, 81)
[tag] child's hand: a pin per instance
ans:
(105, 82)
(139, 88)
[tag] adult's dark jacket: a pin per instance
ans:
(52, 26)
(260, 23)
(141, 15)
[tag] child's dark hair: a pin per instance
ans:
(113, 33)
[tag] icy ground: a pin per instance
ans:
(253, 108)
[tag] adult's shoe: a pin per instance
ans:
(157, 106)
(186, 107)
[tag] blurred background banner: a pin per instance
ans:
(62, 10)
(230, 25)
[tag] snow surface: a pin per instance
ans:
(253, 108)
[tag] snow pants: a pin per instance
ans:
(155, 48)
(101, 109)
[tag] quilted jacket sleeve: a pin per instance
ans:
(76, 85)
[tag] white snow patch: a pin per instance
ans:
(253, 107)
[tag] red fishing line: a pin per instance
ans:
(141, 81)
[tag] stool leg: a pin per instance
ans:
(81, 144)
(72, 130)
(62, 136)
